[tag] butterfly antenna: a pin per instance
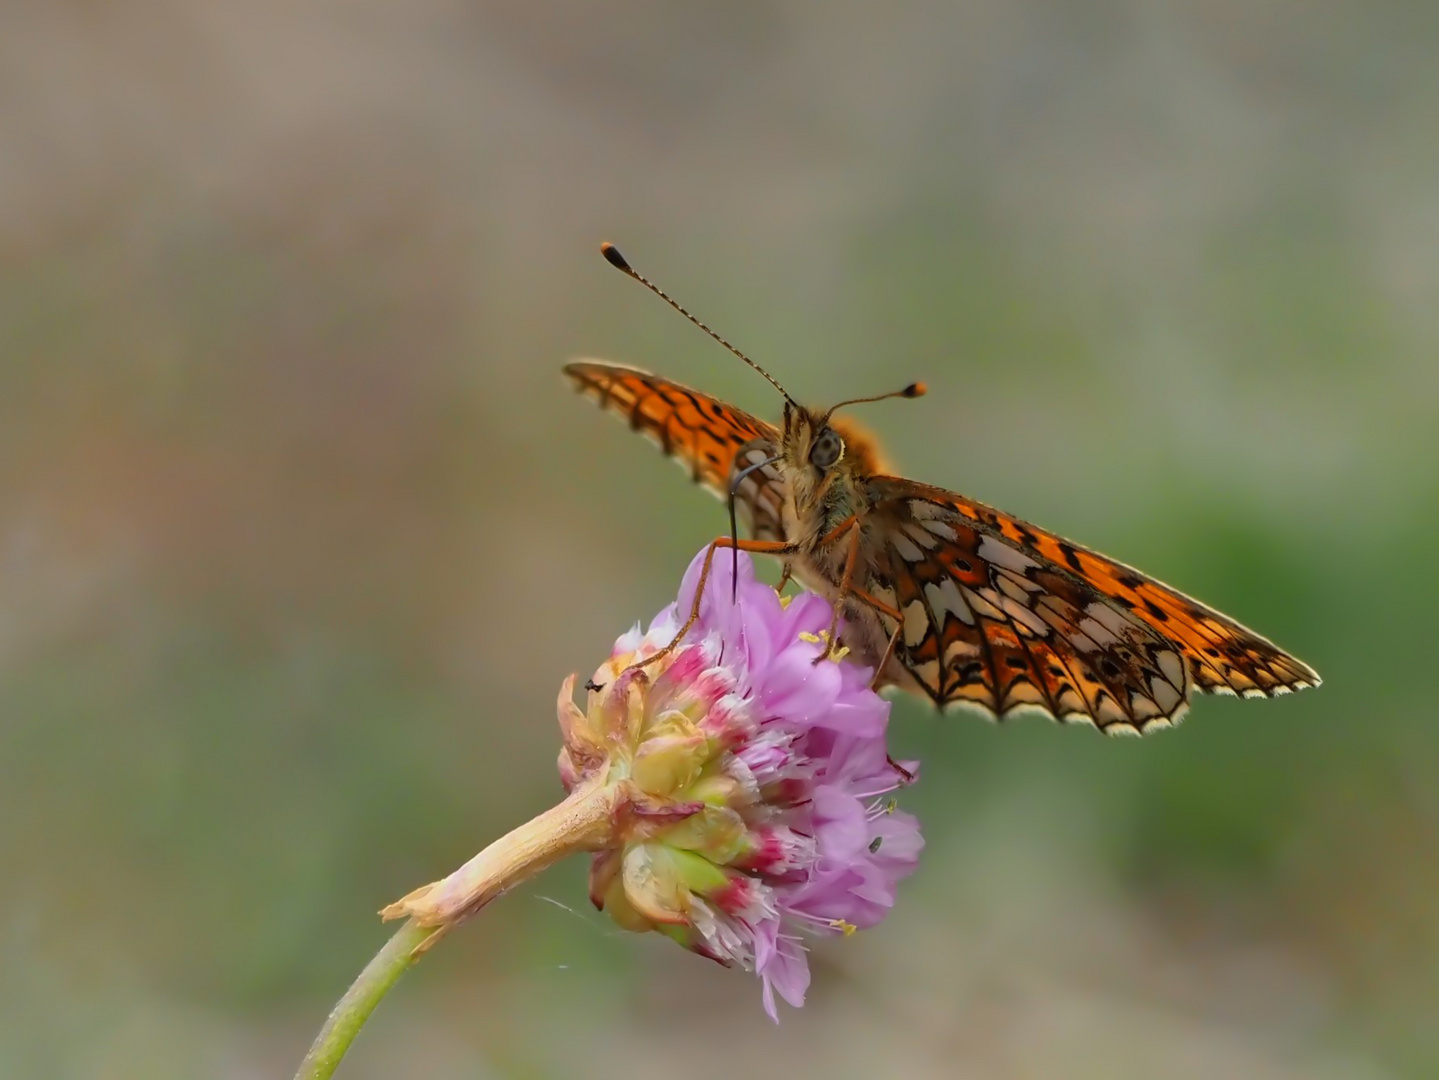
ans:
(614, 258)
(913, 390)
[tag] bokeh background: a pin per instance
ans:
(300, 528)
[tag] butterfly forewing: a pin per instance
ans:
(709, 439)
(1002, 614)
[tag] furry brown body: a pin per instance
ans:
(819, 501)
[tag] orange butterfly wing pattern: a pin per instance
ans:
(1003, 615)
(702, 434)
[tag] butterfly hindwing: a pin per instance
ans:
(988, 624)
(706, 437)
(1010, 615)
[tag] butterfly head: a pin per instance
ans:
(823, 443)
(821, 451)
(810, 442)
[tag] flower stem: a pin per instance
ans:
(583, 822)
(347, 1017)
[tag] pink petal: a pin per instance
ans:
(786, 970)
(841, 825)
(799, 690)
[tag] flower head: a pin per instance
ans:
(753, 768)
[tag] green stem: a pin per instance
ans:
(349, 1016)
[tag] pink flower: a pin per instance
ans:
(755, 776)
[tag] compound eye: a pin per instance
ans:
(827, 448)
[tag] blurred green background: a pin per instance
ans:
(300, 528)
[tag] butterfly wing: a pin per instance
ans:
(704, 436)
(1003, 615)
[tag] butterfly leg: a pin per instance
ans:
(888, 653)
(889, 613)
(906, 777)
(784, 578)
(757, 547)
(846, 587)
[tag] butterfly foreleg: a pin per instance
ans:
(757, 547)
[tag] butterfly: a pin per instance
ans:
(944, 596)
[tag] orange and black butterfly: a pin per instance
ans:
(943, 595)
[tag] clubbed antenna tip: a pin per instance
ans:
(614, 258)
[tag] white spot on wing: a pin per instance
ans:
(1109, 711)
(920, 535)
(945, 597)
(1164, 694)
(1172, 664)
(1001, 554)
(916, 623)
(1142, 707)
(982, 605)
(1115, 621)
(1020, 588)
(1100, 634)
(906, 547)
(1024, 619)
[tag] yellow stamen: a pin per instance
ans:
(845, 928)
(832, 651)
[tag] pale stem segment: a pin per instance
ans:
(585, 821)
